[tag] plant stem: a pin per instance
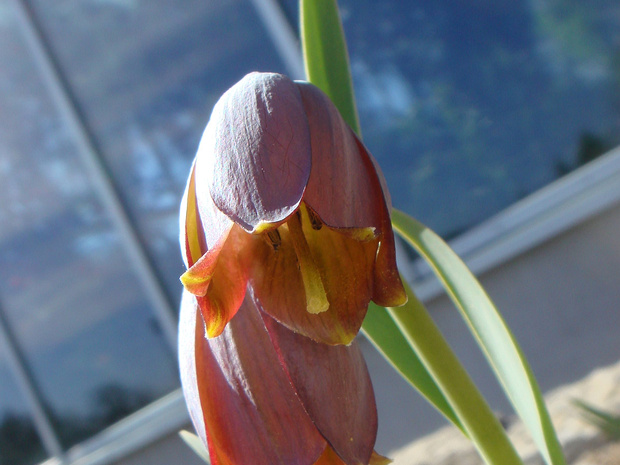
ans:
(482, 427)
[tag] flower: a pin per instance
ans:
(284, 197)
(286, 234)
(263, 395)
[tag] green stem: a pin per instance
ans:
(482, 427)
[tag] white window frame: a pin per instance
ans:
(539, 217)
(563, 204)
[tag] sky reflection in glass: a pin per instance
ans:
(19, 441)
(471, 106)
(146, 76)
(69, 295)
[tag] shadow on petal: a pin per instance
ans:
(235, 386)
(334, 387)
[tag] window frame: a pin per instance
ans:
(528, 223)
(539, 217)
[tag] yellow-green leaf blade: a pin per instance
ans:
(381, 330)
(490, 331)
(325, 55)
(195, 444)
(476, 417)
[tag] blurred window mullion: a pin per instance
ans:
(34, 401)
(282, 35)
(102, 182)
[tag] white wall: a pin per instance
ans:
(562, 301)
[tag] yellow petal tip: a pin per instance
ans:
(264, 226)
(194, 283)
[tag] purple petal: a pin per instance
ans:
(255, 152)
(344, 188)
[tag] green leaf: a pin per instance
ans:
(195, 444)
(381, 330)
(607, 422)
(491, 332)
(327, 66)
(325, 55)
(477, 418)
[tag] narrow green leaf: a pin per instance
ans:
(195, 444)
(607, 422)
(490, 331)
(477, 418)
(381, 330)
(325, 55)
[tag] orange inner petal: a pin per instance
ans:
(339, 266)
(329, 457)
(219, 279)
(197, 278)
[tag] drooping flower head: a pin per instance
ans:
(285, 198)
(286, 233)
(263, 395)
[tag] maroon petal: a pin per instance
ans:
(335, 389)
(344, 188)
(255, 152)
(238, 395)
(388, 290)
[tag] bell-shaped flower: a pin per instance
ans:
(263, 395)
(283, 197)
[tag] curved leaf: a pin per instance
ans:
(477, 418)
(195, 444)
(381, 330)
(327, 66)
(490, 331)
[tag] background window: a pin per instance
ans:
(19, 441)
(470, 106)
(69, 295)
(137, 81)
(145, 76)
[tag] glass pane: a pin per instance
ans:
(146, 75)
(470, 106)
(66, 286)
(19, 442)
